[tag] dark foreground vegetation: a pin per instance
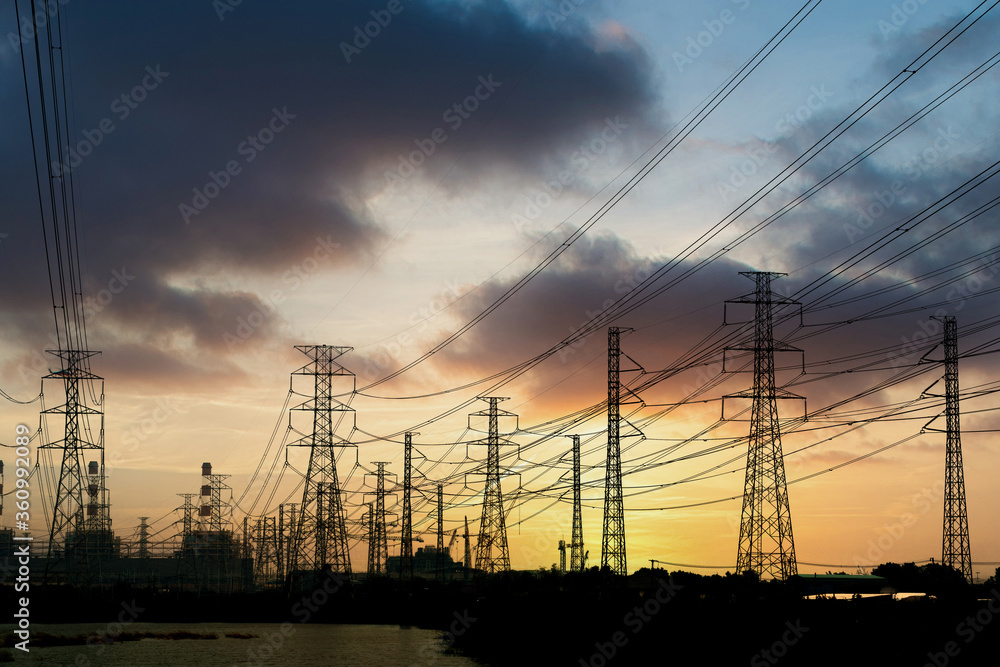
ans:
(594, 619)
(735, 620)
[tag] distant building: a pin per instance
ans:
(429, 563)
(839, 584)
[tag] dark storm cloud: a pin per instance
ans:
(922, 164)
(843, 362)
(925, 163)
(597, 271)
(241, 141)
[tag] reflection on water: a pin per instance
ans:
(274, 644)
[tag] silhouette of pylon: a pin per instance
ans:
(766, 544)
(492, 526)
(955, 550)
(576, 546)
(320, 533)
(406, 542)
(613, 536)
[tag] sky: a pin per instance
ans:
(378, 175)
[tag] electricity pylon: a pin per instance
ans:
(320, 533)
(406, 541)
(369, 520)
(378, 550)
(187, 523)
(492, 525)
(439, 554)
(467, 561)
(613, 537)
(76, 539)
(766, 543)
(265, 550)
(143, 537)
(576, 545)
(955, 550)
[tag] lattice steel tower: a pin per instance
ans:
(406, 541)
(320, 536)
(492, 526)
(264, 546)
(955, 548)
(286, 533)
(467, 561)
(613, 538)
(378, 550)
(143, 537)
(221, 510)
(766, 544)
(187, 523)
(576, 545)
(73, 535)
(439, 554)
(369, 521)
(186, 565)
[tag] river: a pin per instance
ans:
(271, 644)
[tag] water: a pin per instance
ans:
(273, 644)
